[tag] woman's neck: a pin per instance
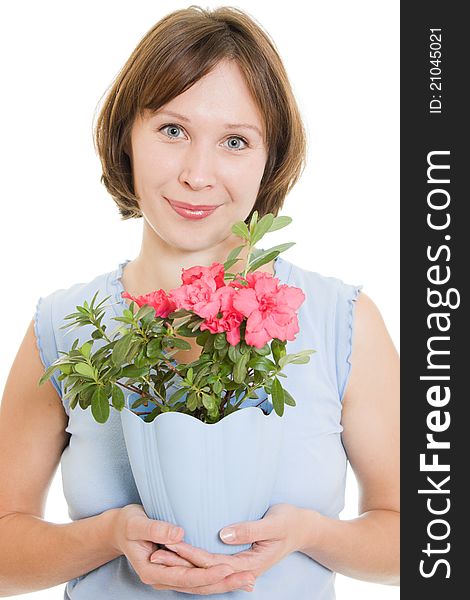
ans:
(159, 266)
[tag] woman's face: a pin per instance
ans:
(211, 154)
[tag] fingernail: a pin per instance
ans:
(248, 588)
(155, 560)
(175, 533)
(170, 547)
(227, 535)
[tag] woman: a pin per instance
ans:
(200, 129)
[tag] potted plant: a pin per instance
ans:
(204, 451)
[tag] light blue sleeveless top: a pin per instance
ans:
(96, 473)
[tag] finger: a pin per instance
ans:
(198, 556)
(231, 583)
(242, 561)
(250, 532)
(160, 532)
(169, 559)
(188, 577)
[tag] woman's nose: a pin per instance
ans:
(198, 167)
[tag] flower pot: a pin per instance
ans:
(204, 477)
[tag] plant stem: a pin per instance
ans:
(140, 392)
(247, 260)
(227, 396)
(153, 389)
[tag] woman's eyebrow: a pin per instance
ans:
(171, 113)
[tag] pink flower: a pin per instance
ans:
(230, 319)
(198, 288)
(270, 308)
(159, 300)
(215, 272)
(198, 297)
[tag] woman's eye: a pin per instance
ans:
(236, 139)
(171, 130)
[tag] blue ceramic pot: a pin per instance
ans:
(204, 477)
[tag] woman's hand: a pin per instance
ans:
(136, 536)
(276, 535)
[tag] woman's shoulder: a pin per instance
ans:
(54, 306)
(319, 285)
(63, 300)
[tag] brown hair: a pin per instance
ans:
(178, 51)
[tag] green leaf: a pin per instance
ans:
(262, 260)
(233, 353)
(288, 398)
(195, 326)
(134, 349)
(86, 349)
(191, 401)
(208, 402)
(235, 252)
(223, 352)
(202, 337)
(253, 221)
(280, 222)
(100, 405)
(86, 370)
(281, 247)
(186, 331)
(220, 341)
(262, 227)
(77, 389)
(244, 347)
(200, 375)
(177, 395)
(133, 372)
(264, 351)
(300, 360)
(138, 402)
(240, 369)
(121, 349)
(144, 311)
(297, 358)
(180, 343)
(209, 344)
(48, 373)
(154, 347)
(241, 230)
(277, 393)
(278, 349)
(260, 363)
(181, 312)
(189, 374)
(153, 415)
(86, 395)
(217, 387)
(140, 361)
(117, 398)
(230, 263)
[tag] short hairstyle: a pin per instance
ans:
(175, 53)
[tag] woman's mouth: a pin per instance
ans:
(192, 211)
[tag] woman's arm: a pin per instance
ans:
(366, 547)
(34, 553)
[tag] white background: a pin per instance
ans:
(60, 227)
